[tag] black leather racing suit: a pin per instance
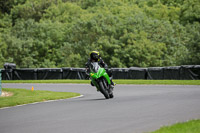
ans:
(102, 64)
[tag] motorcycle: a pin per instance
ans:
(100, 79)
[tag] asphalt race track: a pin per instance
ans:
(135, 109)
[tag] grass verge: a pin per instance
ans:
(23, 96)
(159, 82)
(192, 126)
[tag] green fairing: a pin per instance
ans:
(101, 72)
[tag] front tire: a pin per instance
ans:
(103, 90)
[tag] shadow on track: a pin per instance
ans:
(98, 99)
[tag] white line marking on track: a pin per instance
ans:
(41, 102)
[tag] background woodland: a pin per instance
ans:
(128, 33)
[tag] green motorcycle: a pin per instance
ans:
(100, 80)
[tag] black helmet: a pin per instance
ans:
(94, 55)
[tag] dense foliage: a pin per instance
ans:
(61, 33)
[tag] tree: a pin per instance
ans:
(31, 9)
(190, 11)
(7, 5)
(193, 44)
(61, 33)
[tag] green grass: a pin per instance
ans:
(192, 126)
(23, 96)
(161, 82)
(47, 81)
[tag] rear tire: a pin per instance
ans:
(103, 90)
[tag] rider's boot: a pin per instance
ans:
(112, 83)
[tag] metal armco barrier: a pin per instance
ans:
(186, 72)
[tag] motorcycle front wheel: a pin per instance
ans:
(103, 90)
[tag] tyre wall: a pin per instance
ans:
(185, 72)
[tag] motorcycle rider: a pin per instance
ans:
(95, 57)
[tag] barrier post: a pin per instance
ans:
(0, 83)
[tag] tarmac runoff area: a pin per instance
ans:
(134, 109)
